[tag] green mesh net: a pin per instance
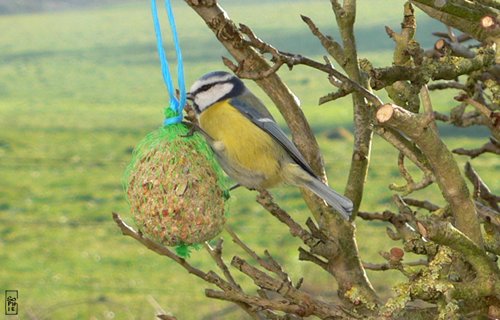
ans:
(175, 188)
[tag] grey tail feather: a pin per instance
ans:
(338, 202)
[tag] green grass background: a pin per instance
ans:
(78, 89)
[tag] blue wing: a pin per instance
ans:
(252, 108)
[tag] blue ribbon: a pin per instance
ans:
(176, 105)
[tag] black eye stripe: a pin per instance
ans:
(207, 86)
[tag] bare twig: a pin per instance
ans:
(406, 147)
(441, 117)
(305, 255)
(300, 303)
(350, 85)
(481, 190)
(216, 254)
(388, 266)
(490, 3)
(270, 264)
(493, 118)
(421, 204)
(395, 262)
(295, 302)
(411, 185)
(406, 53)
(280, 58)
(345, 15)
(479, 106)
(332, 47)
(280, 305)
(488, 147)
(489, 215)
(461, 38)
(412, 240)
(427, 106)
(254, 75)
(318, 242)
(159, 249)
(165, 317)
(384, 216)
(447, 85)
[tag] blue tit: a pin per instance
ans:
(249, 145)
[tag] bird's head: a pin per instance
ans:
(214, 87)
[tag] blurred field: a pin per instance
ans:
(78, 89)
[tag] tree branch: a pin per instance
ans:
(270, 264)
(486, 282)
(446, 85)
(481, 190)
(493, 118)
(345, 16)
(403, 93)
(216, 254)
(411, 185)
(302, 304)
(446, 171)
(461, 38)
(412, 240)
(448, 69)
(421, 204)
(388, 266)
(491, 146)
(347, 267)
(463, 15)
(331, 46)
(406, 147)
(155, 247)
(320, 243)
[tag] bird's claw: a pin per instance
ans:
(193, 127)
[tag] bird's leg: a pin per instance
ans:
(193, 127)
(227, 192)
(234, 187)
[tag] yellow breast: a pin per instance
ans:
(246, 145)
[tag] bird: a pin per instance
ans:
(248, 143)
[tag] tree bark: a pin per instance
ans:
(447, 173)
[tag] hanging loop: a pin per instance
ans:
(176, 104)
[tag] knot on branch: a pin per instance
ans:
(225, 30)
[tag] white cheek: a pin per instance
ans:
(224, 88)
(207, 98)
(204, 99)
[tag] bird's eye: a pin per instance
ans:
(205, 87)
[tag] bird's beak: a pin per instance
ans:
(189, 96)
